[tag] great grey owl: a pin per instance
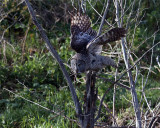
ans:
(88, 45)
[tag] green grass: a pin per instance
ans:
(39, 79)
(17, 112)
(36, 76)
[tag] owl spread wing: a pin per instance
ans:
(81, 32)
(84, 38)
(110, 36)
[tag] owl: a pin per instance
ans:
(81, 32)
(88, 45)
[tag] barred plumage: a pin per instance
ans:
(80, 21)
(87, 44)
(81, 32)
(110, 36)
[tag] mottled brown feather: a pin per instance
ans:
(80, 20)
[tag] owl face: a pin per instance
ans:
(78, 65)
(81, 63)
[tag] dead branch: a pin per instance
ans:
(56, 56)
(57, 113)
(132, 84)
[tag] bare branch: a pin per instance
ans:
(99, 14)
(157, 59)
(132, 84)
(113, 116)
(103, 18)
(114, 92)
(120, 79)
(55, 55)
(101, 103)
(57, 113)
(119, 84)
(143, 87)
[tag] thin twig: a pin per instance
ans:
(57, 113)
(157, 59)
(143, 87)
(114, 92)
(10, 11)
(103, 18)
(113, 116)
(119, 84)
(99, 14)
(120, 79)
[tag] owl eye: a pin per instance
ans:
(79, 64)
(93, 61)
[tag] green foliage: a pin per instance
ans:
(21, 113)
(29, 70)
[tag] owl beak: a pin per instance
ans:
(76, 71)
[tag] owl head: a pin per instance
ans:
(81, 63)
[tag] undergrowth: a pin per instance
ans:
(28, 70)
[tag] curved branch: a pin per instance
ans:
(56, 56)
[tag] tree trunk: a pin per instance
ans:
(90, 98)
